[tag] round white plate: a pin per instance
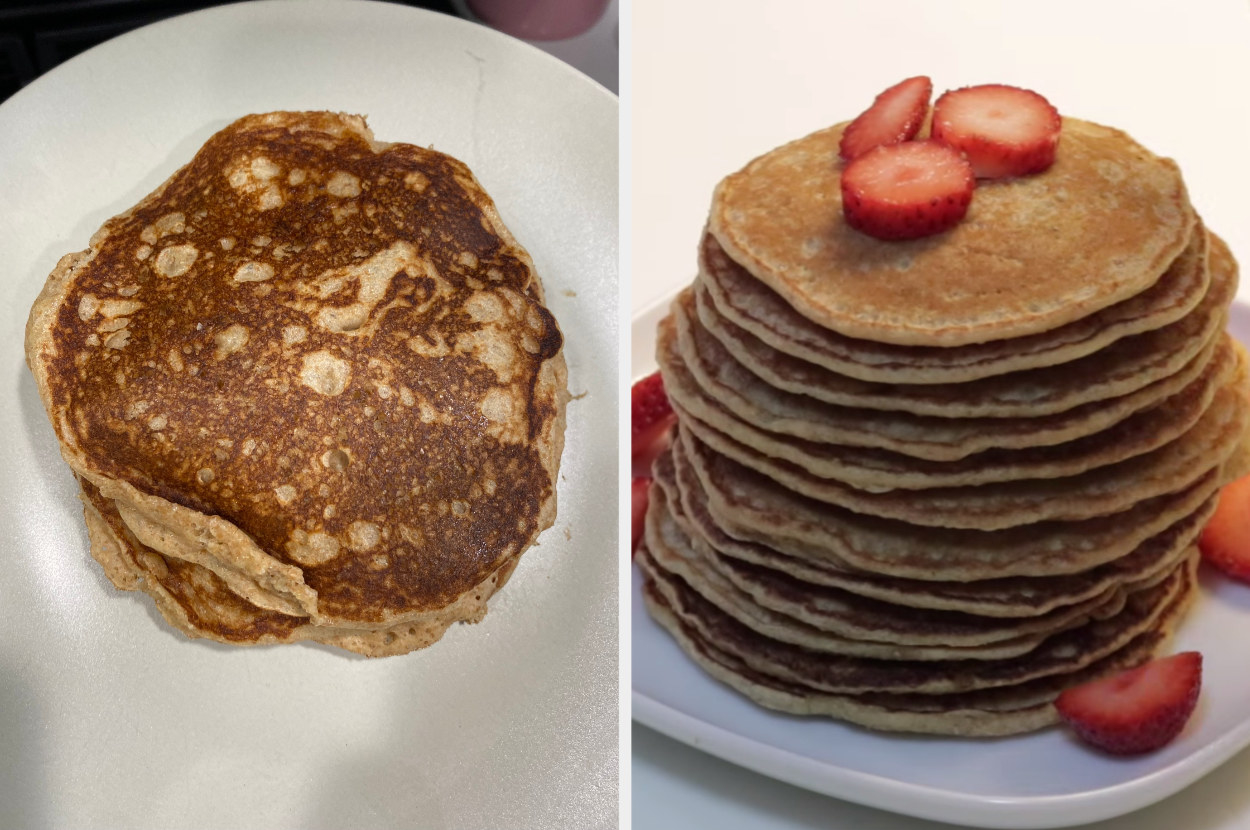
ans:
(108, 718)
(1045, 779)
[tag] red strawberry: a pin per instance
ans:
(650, 413)
(1225, 541)
(1003, 130)
(895, 115)
(639, 491)
(1136, 710)
(908, 190)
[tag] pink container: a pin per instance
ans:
(539, 19)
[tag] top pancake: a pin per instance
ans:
(745, 302)
(315, 364)
(1032, 254)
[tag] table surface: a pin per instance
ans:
(708, 93)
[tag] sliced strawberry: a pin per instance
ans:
(908, 190)
(1138, 710)
(1003, 130)
(650, 413)
(639, 491)
(1225, 541)
(895, 115)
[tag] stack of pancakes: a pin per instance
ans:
(925, 486)
(309, 388)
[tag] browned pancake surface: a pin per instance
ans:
(334, 345)
(1033, 253)
(751, 305)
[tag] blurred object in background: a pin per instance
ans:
(539, 19)
(588, 30)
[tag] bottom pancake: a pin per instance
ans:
(1064, 652)
(996, 711)
(199, 603)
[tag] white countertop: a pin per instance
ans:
(710, 86)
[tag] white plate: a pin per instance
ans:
(108, 717)
(1045, 779)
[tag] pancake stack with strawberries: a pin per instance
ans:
(953, 405)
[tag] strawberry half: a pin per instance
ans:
(1138, 710)
(908, 190)
(650, 413)
(639, 492)
(895, 116)
(1003, 130)
(1225, 541)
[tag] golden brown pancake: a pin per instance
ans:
(1128, 365)
(753, 508)
(1150, 423)
(806, 417)
(1005, 710)
(778, 580)
(1097, 492)
(1101, 225)
(196, 601)
(1066, 651)
(843, 623)
(749, 304)
(317, 367)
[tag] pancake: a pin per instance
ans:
(317, 367)
(927, 485)
(936, 438)
(747, 303)
(751, 508)
(1126, 366)
(1103, 224)
(794, 586)
(199, 603)
(1101, 491)
(983, 713)
(875, 469)
(842, 623)
(1064, 652)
